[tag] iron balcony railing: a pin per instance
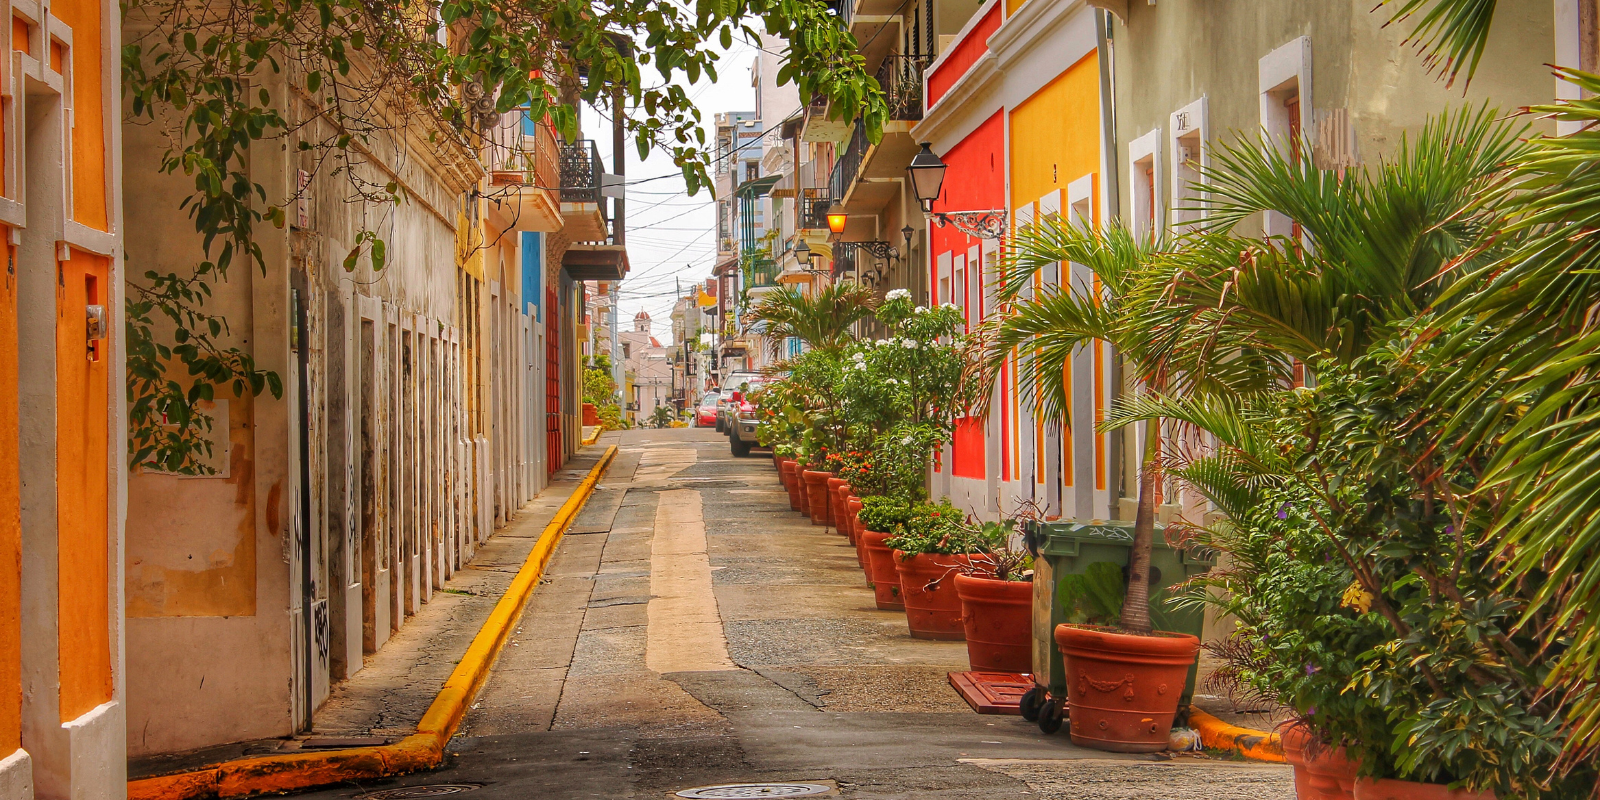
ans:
(901, 79)
(580, 172)
(814, 204)
(760, 272)
(526, 151)
(848, 163)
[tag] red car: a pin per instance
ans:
(705, 414)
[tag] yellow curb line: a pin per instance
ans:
(421, 750)
(1218, 735)
(598, 429)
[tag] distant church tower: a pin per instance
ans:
(641, 323)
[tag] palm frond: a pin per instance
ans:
(821, 319)
(1451, 33)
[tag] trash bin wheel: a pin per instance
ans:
(1051, 714)
(1029, 704)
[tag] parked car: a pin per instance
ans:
(742, 420)
(705, 414)
(729, 386)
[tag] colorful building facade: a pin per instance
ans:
(62, 685)
(1014, 110)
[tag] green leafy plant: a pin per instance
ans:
(336, 79)
(884, 514)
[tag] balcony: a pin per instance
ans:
(524, 176)
(760, 273)
(582, 205)
(901, 79)
(866, 176)
(814, 204)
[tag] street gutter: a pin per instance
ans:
(419, 751)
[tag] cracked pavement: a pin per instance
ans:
(822, 686)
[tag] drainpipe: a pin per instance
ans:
(1106, 55)
(619, 235)
(307, 595)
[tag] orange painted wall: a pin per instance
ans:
(1055, 134)
(19, 35)
(10, 518)
(82, 600)
(89, 156)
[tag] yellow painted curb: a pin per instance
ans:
(421, 750)
(595, 437)
(1218, 735)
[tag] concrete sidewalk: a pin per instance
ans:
(386, 699)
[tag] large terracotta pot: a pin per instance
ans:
(841, 514)
(817, 495)
(1320, 772)
(836, 503)
(933, 609)
(787, 471)
(1123, 689)
(800, 490)
(852, 525)
(1390, 789)
(998, 618)
(881, 572)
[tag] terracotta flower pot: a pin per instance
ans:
(1390, 789)
(881, 571)
(790, 484)
(841, 512)
(1123, 689)
(835, 502)
(852, 525)
(800, 490)
(998, 618)
(1320, 772)
(817, 495)
(933, 609)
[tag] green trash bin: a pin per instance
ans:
(1065, 581)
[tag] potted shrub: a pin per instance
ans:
(930, 549)
(883, 516)
(1145, 667)
(997, 599)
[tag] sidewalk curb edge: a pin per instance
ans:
(421, 750)
(1218, 735)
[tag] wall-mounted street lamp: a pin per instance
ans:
(927, 180)
(837, 218)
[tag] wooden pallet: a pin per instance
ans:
(992, 692)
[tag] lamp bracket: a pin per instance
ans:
(990, 224)
(877, 248)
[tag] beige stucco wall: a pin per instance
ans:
(1170, 54)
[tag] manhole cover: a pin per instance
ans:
(757, 790)
(407, 792)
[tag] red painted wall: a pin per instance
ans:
(965, 53)
(976, 180)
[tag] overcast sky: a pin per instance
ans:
(670, 234)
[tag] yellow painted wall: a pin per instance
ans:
(83, 572)
(89, 156)
(10, 516)
(1055, 134)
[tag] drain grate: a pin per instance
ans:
(409, 792)
(757, 790)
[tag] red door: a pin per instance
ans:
(552, 383)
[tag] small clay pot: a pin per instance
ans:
(852, 525)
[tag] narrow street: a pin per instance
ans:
(693, 630)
